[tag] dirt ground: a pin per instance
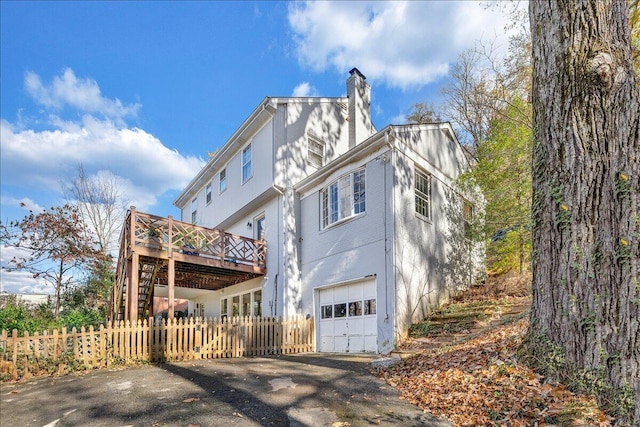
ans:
(305, 390)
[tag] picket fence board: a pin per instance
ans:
(153, 341)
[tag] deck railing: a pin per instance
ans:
(167, 234)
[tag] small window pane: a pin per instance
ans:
(315, 152)
(246, 305)
(369, 306)
(355, 308)
(423, 194)
(235, 305)
(340, 310)
(326, 312)
(208, 192)
(223, 180)
(223, 306)
(247, 172)
(257, 303)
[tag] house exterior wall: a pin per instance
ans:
(414, 262)
(237, 193)
(429, 252)
(354, 249)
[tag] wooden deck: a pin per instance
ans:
(173, 253)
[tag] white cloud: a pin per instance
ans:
(18, 281)
(144, 166)
(39, 160)
(82, 94)
(304, 89)
(404, 44)
(24, 203)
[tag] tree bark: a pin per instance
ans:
(586, 217)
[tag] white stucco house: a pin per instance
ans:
(362, 226)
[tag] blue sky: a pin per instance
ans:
(144, 90)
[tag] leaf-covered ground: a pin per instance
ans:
(471, 374)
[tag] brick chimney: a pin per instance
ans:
(359, 93)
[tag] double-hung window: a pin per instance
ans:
(194, 211)
(343, 198)
(423, 194)
(222, 176)
(315, 152)
(247, 171)
(208, 193)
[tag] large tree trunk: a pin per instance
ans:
(586, 173)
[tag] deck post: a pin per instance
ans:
(135, 277)
(171, 278)
(170, 237)
(127, 282)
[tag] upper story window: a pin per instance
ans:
(315, 152)
(208, 193)
(343, 198)
(247, 170)
(194, 210)
(423, 194)
(223, 179)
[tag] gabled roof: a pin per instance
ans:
(387, 136)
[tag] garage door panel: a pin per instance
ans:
(369, 326)
(341, 344)
(348, 318)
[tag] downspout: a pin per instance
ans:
(274, 301)
(386, 239)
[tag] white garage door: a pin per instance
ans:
(347, 318)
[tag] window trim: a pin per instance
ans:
(249, 163)
(208, 192)
(229, 298)
(420, 195)
(222, 180)
(332, 200)
(314, 139)
(194, 210)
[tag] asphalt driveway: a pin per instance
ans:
(297, 390)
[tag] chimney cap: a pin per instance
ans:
(354, 70)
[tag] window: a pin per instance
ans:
(344, 198)
(194, 210)
(208, 193)
(223, 307)
(246, 304)
(223, 179)
(247, 171)
(423, 194)
(259, 227)
(315, 152)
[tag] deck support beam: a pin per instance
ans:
(171, 276)
(135, 278)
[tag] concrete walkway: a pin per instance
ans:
(299, 390)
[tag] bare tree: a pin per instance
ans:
(56, 247)
(423, 113)
(585, 320)
(100, 201)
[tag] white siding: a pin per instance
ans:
(353, 249)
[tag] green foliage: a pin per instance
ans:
(19, 316)
(503, 173)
